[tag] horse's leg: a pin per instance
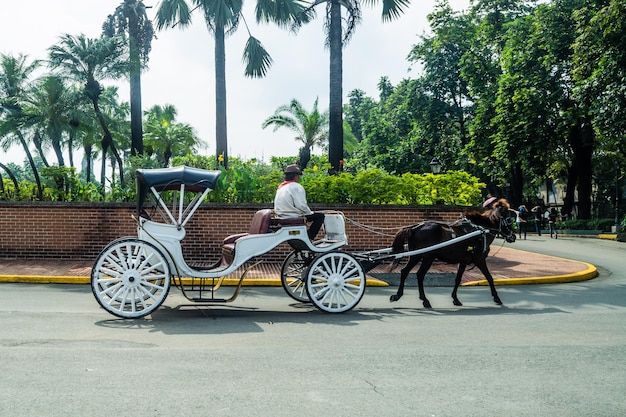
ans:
(457, 282)
(421, 274)
(482, 265)
(413, 260)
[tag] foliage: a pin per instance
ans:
(603, 224)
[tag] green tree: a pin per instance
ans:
(599, 68)
(482, 70)
(89, 61)
(336, 38)
(130, 18)
(310, 128)
(222, 18)
(15, 74)
(166, 138)
(442, 103)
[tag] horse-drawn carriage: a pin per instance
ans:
(132, 276)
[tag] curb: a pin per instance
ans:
(82, 280)
(589, 273)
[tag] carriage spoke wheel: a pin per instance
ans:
(292, 274)
(130, 278)
(335, 282)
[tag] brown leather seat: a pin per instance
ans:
(260, 225)
(288, 221)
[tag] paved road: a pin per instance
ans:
(551, 350)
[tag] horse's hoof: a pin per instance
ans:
(427, 304)
(457, 303)
(394, 297)
(497, 301)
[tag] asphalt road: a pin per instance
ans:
(551, 350)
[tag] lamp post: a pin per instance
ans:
(435, 165)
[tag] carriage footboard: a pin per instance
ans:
(203, 290)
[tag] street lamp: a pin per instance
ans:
(435, 165)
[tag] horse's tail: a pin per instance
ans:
(398, 245)
(399, 240)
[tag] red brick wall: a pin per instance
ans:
(80, 231)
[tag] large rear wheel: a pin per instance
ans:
(292, 274)
(335, 282)
(130, 278)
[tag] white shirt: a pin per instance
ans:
(290, 200)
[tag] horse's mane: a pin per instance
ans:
(491, 214)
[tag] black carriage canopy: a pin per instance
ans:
(195, 180)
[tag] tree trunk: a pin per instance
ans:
(107, 142)
(39, 147)
(56, 145)
(11, 176)
(31, 161)
(581, 138)
(304, 156)
(136, 128)
(221, 139)
(335, 133)
(570, 189)
(516, 198)
(87, 151)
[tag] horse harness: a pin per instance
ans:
(462, 227)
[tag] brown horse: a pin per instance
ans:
(497, 220)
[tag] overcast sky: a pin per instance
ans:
(181, 69)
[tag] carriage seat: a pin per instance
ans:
(260, 225)
(277, 223)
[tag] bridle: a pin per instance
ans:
(506, 223)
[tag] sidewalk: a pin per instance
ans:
(508, 267)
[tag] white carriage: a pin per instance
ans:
(132, 276)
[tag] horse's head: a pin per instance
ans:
(502, 210)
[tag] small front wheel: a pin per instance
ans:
(335, 282)
(130, 278)
(292, 277)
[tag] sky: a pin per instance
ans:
(181, 66)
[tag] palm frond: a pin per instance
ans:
(256, 59)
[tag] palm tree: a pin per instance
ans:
(117, 116)
(222, 18)
(88, 61)
(311, 128)
(166, 138)
(336, 38)
(15, 73)
(131, 16)
(47, 107)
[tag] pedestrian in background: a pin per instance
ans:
(522, 221)
(553, 217)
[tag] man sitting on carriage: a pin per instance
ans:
(290, 201)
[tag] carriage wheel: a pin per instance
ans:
(291, 274)
(130, 278)
(335, 282)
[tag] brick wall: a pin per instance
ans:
(80, 231)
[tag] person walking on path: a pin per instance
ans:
(553, 217)
(290, 201)
(522, 221)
